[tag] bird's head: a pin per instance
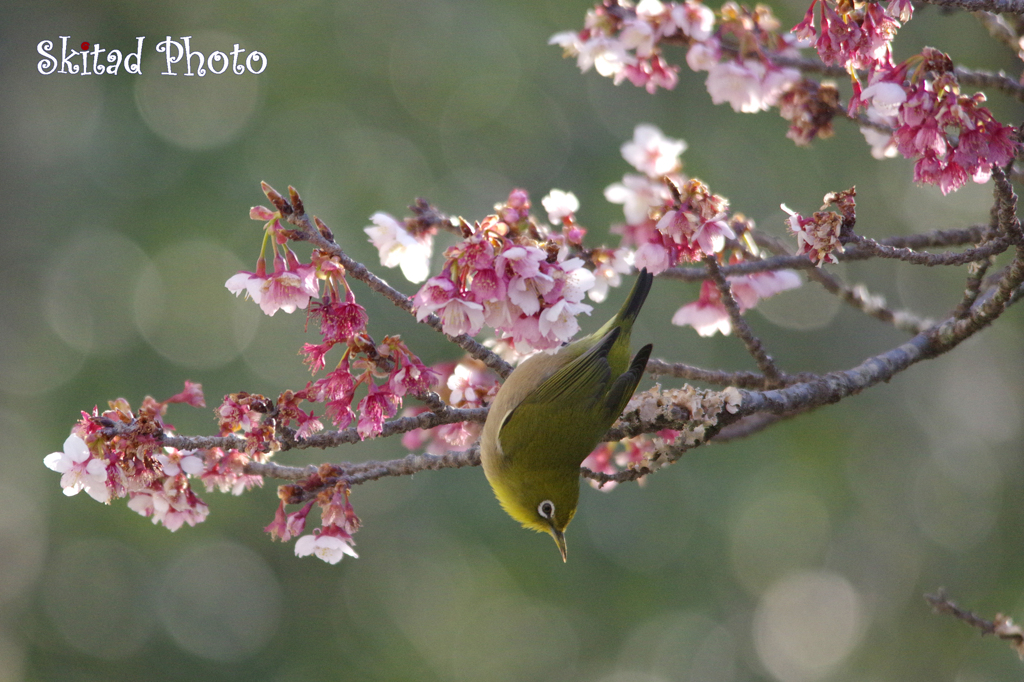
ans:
(544, 502)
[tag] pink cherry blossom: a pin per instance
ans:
(609, 267)
(378, 404)
(653, 256)
(173, 462)
(749, 289)
(262, 213)
(559, 321)
(249, 282)
(707, 315)
(601, 461)
(79, 470)
(224, 471)
(651, 153)
(458, 315)
(329, 547)
(693, 19)
(748, 86)
(397, 247)
(560, 205)
(638, 194)
(168, 503)
(818, 237)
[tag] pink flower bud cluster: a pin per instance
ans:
(856, 35)
(953, 137)
(389, 371)
(118, 453)
(950, 134)
(338, 522)
(514, 275)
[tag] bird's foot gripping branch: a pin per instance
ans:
(527, 279)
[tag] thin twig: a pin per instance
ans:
(785, 261)
(972, 288)
(1000, 30)
(751, 380)
(1001, 626)
(938, 238)
(992, 248)
(941, 338)
(992, 81)
(743, 331)
(748, 426)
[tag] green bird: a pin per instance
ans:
(551, 413)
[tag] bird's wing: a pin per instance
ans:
(573, 388)
(587, 373)
(622, 390)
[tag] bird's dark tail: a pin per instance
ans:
(642, 287)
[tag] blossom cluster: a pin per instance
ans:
(290, 286)
(118, 453)
(515, 275)
(624, 42)
(915, 108)
(672, 219)
(666, 227)
(950, 134)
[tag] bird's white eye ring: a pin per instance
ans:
(546, 509)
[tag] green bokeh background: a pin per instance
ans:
(800, 554)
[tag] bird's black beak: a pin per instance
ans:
(559, 537)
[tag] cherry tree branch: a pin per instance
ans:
(868, 245)
(752, 380)
(784, 260)
(325, 439)
(758, 409)
(857, 296)
(995, 6)
(999, 29)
